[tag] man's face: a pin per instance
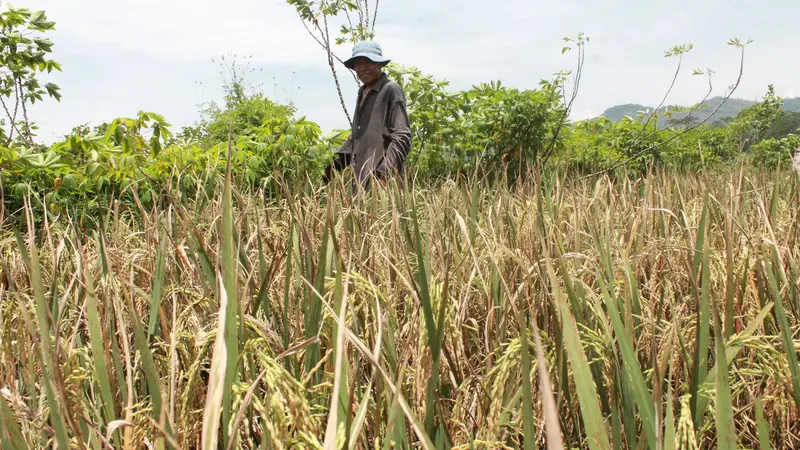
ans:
(368, 72)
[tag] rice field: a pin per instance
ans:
(655, 313)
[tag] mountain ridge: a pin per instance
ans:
(730, 108)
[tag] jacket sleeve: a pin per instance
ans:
(341, 160)
(398, 132)
(347, 147)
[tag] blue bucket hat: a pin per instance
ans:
(367, 49)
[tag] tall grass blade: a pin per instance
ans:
(42, 318)
(147, 361)
(527, 397)
(641, 393)
(700, 362)
(229, 265)
(98, 350)
(216, 383)
(313, 319)
(335, 416)
(596, 432)
(669, 435)
(726, 433)
(763, 427)
(10, 434)
(158, 284)
(423, 291)
(786, 331)
(291, 244)
(550, 410)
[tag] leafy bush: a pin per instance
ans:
(137, 158)
(772, 153)
(489, 124)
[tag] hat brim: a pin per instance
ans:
(350, 63)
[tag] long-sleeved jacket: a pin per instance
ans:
(381, 135)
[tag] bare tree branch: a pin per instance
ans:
(333, 71)
(360, 12)
(366, 14)
(641, 152)
(12, 118)
(25, 116)
(323, 38)
(375, 17)
(664, 100)
(696, 107)
(324, 47)
(567, 106)
(349, 19)
(679, 122)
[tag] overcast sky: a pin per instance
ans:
(122, 56)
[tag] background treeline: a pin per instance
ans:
(489, 129)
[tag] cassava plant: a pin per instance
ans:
(23, 58)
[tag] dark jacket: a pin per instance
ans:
(380, 139)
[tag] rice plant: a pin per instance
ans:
(659, 312)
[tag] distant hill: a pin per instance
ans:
(792, 104)
(730, 109)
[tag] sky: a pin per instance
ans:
(124, 56)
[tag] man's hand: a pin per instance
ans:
(339, 163)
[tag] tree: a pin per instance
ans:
(683, 122)
(317, 17)
(788, 123)
(752, 123)
(244, 110)
(23, 56)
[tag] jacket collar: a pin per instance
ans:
(378, 84)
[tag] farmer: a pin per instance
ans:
(380, 137)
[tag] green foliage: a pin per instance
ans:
(313, 12)
(136, 158)
(488, 126)
(787, 123)
(772, 153)
(598, 144)
(753, 122)
(242, 115)
(23, 57)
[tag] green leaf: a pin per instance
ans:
(10, 434)
(97, 340)
(641, 393)
(229, 268)
(53, 91)
(37, 16)
(786, 330)
(42, 318)
(596, 431)
(726, 433)
(763, 427)
(158, 284)
(44, 44)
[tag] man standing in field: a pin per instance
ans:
(380, 138)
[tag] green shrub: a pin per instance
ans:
(772, 153)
